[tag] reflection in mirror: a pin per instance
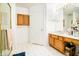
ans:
(71, 15)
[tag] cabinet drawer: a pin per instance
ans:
(67, 39)
(54, 36)
(61, 38)
(75, 41)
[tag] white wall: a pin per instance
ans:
(13, 18)
(55, 17)
(20, 33)
(21, 10)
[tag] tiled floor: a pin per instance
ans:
(37, 50)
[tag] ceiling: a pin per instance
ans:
(70, 8)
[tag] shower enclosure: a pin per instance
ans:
(5, 29)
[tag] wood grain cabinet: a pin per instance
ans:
(51, 40)
(54, 37)
(59, 44)
(75, 41)
(56, 42)
(23, 20)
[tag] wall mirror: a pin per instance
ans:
(70, 15)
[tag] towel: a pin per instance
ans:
(0, 43)
(9, 35)
(4, 40)
(19, 54)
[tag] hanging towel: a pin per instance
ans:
(9, 35)
(4, 40)
(0, 43)
(0, 32)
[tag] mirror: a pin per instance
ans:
(70, 15)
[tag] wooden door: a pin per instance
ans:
(20, 19)
(26, 20)
(54, 37)
(59, 44)
(51, 40)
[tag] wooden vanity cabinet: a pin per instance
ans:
(57, 42)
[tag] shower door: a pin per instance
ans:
(5, 26)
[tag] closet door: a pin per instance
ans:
(20, 19)
(23, 20)
(37, 24)
(26, 20)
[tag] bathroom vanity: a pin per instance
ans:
(69, 21)
(56, 40)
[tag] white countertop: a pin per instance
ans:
(65, 35)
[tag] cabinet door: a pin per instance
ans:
(51, 40)
(26, 20)
(19, 19)
(59, 44)
(54, 37)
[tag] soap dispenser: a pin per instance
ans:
(71, 32)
